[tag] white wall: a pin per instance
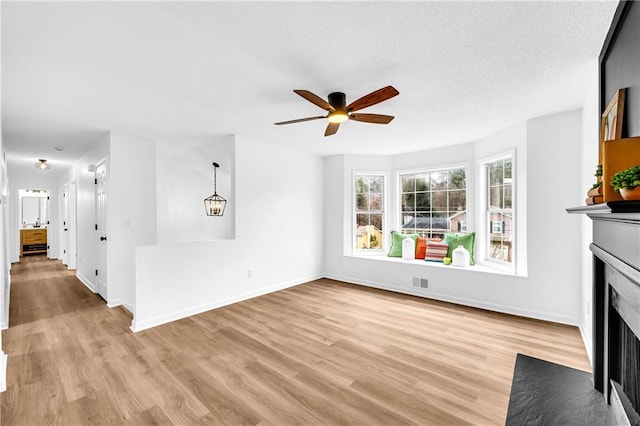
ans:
(589, 162)
(5, 277)
(544, 149)
(131, 212)
(278, 238)
(184, 178)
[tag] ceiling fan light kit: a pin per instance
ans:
(337, 117)
(339, 111)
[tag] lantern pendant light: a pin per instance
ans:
(214, 204)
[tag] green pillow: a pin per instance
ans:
(463, 239)
(396, 242)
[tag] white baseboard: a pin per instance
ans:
(87, 282)
(545, 316)
(3, 371)
(118, 302)
(4, 325)
(137, 325)
(588, 343)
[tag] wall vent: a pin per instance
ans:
(420, 282)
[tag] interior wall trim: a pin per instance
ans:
(3, 371)
(87, 282)
(139, 325)
(545, 316)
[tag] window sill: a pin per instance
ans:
(419, 262)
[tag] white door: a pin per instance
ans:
(47, 223)
(71, 225)
(64, 228)
(101, 229)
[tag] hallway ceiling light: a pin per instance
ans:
(42, 164)
(214, 204)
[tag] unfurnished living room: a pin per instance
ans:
(319, 213)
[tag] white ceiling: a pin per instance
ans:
(186, 70)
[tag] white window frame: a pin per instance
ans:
(386, 234)
(485, 227)
(439, 168)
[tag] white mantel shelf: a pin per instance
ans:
(626, 210)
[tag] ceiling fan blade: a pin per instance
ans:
(300, 120)
(372, 118)
(332, 128)
(373, 98)
(315, 99)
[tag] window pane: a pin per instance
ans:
(375, 184)
(439, 201)
(457, 200)
(362, 202)
(375, 202)
(495, 197)
(408, 183)
(507, 197)
(457, 179)
(495, 174)
(439, 180)
(407, 219)
(423, 202)
(507, 169)
(500, 239)
(362, 185)
(408, 202)
(422, 182)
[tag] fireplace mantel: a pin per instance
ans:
(616, 291)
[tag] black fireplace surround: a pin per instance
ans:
(616, 305)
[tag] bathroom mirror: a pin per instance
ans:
(34, 211)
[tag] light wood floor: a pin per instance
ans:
(319, 353)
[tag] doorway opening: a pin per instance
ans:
(34, 211)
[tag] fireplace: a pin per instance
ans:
(616, 305)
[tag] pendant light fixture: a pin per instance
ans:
(42, 164)
(214, 204)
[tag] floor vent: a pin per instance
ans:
(420, 282)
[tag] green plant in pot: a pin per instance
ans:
(627, 182)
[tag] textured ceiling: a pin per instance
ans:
(185, 70)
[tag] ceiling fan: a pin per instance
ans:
(339, 111)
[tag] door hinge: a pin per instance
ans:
(64, 223)
(64, 251)
(48, 198)
(96, 226)
(96, 272)
(95, 181)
